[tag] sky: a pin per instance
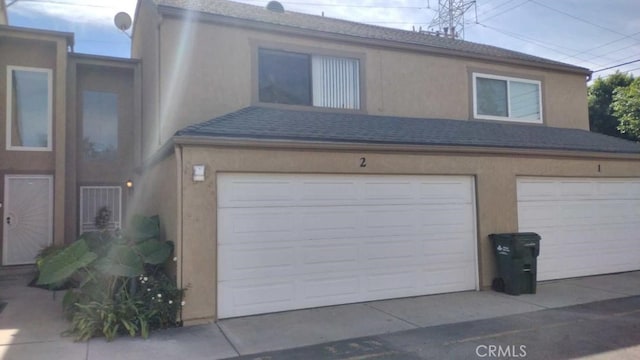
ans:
(596, 34)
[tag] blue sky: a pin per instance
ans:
(591, 33)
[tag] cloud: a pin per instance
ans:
(97, 13)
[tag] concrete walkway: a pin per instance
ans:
(31, 323)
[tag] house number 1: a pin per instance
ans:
(363, 162)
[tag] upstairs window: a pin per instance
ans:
(29, 109)
(504, 98)
(99, 125)
(311, 80)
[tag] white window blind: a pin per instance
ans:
(94, 198)
(336, 82)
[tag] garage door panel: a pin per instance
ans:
(330, 254)
(392, 191)
(392, 282)
(321, 192)
(390, 249)
(332, 219)
(358, 238)
(589, 228)
(251, 223)
(250, 193)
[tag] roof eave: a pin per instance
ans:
(290, 30)
(222, 141)
(69, 37)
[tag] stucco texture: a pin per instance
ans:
(496, 202)
(394, 82)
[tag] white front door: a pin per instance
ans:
(27, 217)
(588, 226)
(293, 241)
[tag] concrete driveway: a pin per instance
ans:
(437, 326)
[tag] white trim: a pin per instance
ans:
(117, 221)
(6, 208)
(49, 72)
(507, 80)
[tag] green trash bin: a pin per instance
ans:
(516, 255)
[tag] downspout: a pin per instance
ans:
(179, 248)
(159, 79)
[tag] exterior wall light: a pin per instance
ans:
(129, 184)
(198, 172)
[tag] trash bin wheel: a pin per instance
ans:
(498, 284)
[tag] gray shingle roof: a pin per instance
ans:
(357, 30)
(317, 126)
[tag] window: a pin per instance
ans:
(503, 98)
(312, 80)
(100, 207)
(99, 125)
(29, 105)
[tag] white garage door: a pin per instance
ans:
(588, 226)
(298, 241)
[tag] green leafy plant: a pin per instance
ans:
(122, 285)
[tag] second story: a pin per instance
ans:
(33, 85)
(208, 58)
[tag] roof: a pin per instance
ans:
(262, 123)
(357, 31)
(30, 31)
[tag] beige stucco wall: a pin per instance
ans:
(106, 76)
(495, 189)
(28, 53)
(3, 14)
(156, 193)
(145, 46)
(207, 70)
(120, 82)
(40, 50)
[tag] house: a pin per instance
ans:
(320, 161)
(68, 145)
(300, 161)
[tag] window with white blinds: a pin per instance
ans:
(336, 82)
(93, 202)
(311, 80)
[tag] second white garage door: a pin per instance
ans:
(588, 226)
(298, 241)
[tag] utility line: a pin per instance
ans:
(578, 18)
(505, 11)
(615, 66)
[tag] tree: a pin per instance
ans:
(626, 107)
(601, 117)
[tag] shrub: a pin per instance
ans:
(123, 288)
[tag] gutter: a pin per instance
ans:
(395, 148)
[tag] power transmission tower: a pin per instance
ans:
(450, 19)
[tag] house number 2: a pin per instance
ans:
(363, 162)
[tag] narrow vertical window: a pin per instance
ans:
(99, 125)
(29, 109)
